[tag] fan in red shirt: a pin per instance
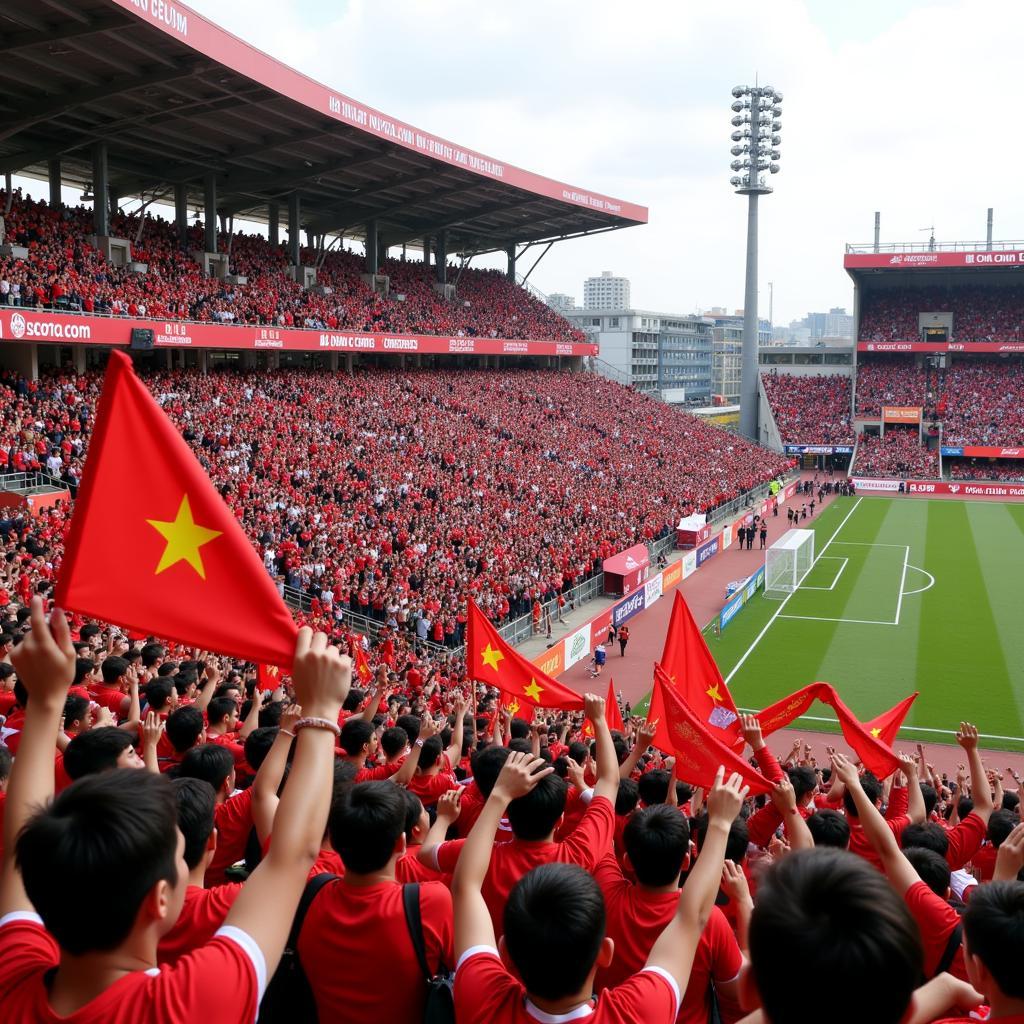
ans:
(553, 925)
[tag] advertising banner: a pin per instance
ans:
(627, 609)
(932, 260)
(901, 414)
(672, 576)
(863, 483)
(705, 551)
(689, 564)
(940, 346)
(80, 329)
(578, 644)
(599, 627)
(819, 449)
(552, 661)
(790, 490)
(749, 588)
(967, 489)
(652, 590)
(983, 451)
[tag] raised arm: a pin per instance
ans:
(454, 750)
(45, 663)
(428, 729)
(152, 730)
(372, 703)
(981, 793)
(674, 949)
(252, 719)
(784, 798)
(206, 691)
(519, 774)
(267, 783)
(644, 738)
(607, 784)
(266, 905)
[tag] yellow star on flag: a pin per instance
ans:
(876, 733)
(533, 691)
(512, 707)
(184, 539)
(712, 692)
(491, 657)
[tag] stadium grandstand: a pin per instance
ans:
(316, 537)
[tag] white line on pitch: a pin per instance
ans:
(818, 618)
(903, 728)
(785, 600)
(921, 590)
(830, 558)
(866, 544)
(903, 580)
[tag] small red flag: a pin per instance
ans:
(164, 554)
(362, 663)
(887, 724)
(698, 753)
(612, 713)
(268, 677)
(873, 753)
(491, 660)
(691, 671)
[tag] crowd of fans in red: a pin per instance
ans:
(1009, 470)
(810, 409)
(979, 314)
(63, 272)
(898, 452)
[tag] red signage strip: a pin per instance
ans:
(979, 347)
(966, 489)
(68, 329)
(927, 260)
(183, 24)
(984, 451)
(901, 414)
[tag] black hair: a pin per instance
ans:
(430, 753)
(554, 924)
(393, 741)
(657, 840)
(519, 729)
(931, 867)
(803, 780)
(654, 787)
(737, 843)
(5, 762)
(365, 823)
(257, 745)
(355, 734)
(535, 815)
(220, 708)
(95, 751)
(487, 765)
(931, 798)
(413, 812)
(411, 724)
(994, 928)
(113, 668)
(151, 654)
(197, 804)
(83, 666)
(75, 709)
(627, 797)
(157, 693)
(184, 727)
(829, 828)
(836, 916)
(89, 859)
(928, 836)
(1000, 825)
(872, 788)
(210, 762)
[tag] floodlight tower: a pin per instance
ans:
(756, 140)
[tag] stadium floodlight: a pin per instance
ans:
(759, 107)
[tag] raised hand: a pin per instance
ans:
(289, 717)
(751, 728)
(576, 774)
(593, 707)
(646, 733)
(429, 728)
(844, 769)
(726, 797)
(321, 676)
(967, 736)
(784, 795)
(152, 729)
(734, 882)
(519, 774)
(449, 805)
(45, 659)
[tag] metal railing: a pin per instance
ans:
(981, 246)
(34, 483)
(746, 499)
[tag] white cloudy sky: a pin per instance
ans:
(892, 105)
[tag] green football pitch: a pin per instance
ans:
(905, 594)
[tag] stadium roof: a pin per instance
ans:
(174, 97)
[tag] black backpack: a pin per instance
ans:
(289, 999)
(440, 1005)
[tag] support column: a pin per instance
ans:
(210, 213)
(53, 173)
(372, 248)
(426, 250)
(349, 362)
(78, 354)
(100, 210)
(294, 241)
(273, 223)
(112, 198)
(181, 212)
(204, 360)
(510, 254)
(748, 373)
(332, 361)
(442, 257)
(170, 358)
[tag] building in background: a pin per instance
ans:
(606, 292)
(836, 324)
(561, 302)
(667, 355)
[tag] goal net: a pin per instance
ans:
(787, 562)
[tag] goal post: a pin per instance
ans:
(787, 562)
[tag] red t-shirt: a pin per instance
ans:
(859, 842)
(223, 982)
(965, 840)
(984, 862)
(636, 917)
(202, 913)
(430, 788)
(486, 993)
(345, 924)
(108, 697)
(586, 846)
(233, 819)
(936, 921)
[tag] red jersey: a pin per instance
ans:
(636, 917)
(233, 819)
(936, 921)
(985, 863)
(486, 993)
(223, 982)
(587, 845)
(430, 788)
(965, 840)
(202, 913)
(859, 842)
(344, 922)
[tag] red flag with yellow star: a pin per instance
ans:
(691, 671)
(612, 714)
(491, 660)
(887, 724)
(152, 545)
(268, 677)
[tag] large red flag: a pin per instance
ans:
(491, 660)
(887, 724)
(873, 753)
(698, 753)
(152, 545)
(691, 671)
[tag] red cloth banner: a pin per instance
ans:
(887, 725)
